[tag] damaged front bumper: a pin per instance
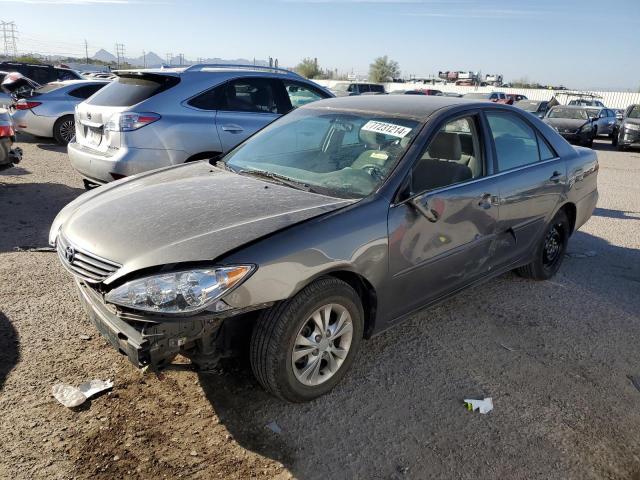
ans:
(153, 341)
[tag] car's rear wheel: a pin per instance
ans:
(550, 251)
(64, 129)
(302, 348)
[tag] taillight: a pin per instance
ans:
(129, 121)
(6, 131)
(22, 105)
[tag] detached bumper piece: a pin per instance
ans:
(152, 341)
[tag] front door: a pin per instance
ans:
(443, 239)
(248, 105)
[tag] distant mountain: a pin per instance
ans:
(104, 56)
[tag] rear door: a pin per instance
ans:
(246, 106)
(93, 115)
(532, 183)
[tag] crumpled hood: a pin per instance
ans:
(632, 121)
(565, 123)
(193, 212)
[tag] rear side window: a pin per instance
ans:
(250, 95)
(62, 74)
(515, 141)
(301, 94)
(130, 90)
(86, 91)
(546, 152)
(376, 88)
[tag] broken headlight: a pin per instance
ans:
(188, 291)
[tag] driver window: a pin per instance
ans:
(453, 156)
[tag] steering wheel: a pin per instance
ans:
(373, 170)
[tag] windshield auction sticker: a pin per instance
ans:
(386, 128)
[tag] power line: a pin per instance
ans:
(119, 53)
(9, 36)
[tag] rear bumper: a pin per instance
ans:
(149, 340)
(123, 162)
(25, 121)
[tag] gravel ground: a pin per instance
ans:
(555, 356)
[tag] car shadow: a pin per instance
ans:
(9, 348)
(52, 147)
(14, 171)
(393, 406)
(617, 214)
(28, 210)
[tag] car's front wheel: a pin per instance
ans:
(550, 251)
(301, 348)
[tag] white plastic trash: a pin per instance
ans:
(71, 396)
(483, 406)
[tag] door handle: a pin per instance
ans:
(555, 178)
(485, 201)
(232, 128)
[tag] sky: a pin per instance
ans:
(586, 44)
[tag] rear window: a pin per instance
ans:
(130, 90)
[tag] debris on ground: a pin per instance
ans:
(274, 427)
(84, 336)
(71, 396)
(635, 381)
(506, 347)
(483, 406)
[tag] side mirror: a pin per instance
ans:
(421, 204)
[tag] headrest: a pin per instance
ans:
(446, 146)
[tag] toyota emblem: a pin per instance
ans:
(69, 254)
(88, 116)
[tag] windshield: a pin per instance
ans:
(593, 112)
(341, 87)
(476, 95)
(336, 153)
(570, 113)
(528, 105)
(634, 112)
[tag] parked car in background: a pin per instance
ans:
(573, 123)
(496, 97)
(346, 89)
(15, 86)
(9, 156)
(626, 133)
(619, 113)
(604, 120)
(41, 73)
(586, 102)
(452, 94)
(423, 91)
(538, 108)
(49, 110)
(330, 225)
(148, 119)
(516, 97)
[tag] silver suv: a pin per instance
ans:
(147, 119)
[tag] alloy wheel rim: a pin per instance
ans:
(552, 246)
(322, 344)
(67, 129)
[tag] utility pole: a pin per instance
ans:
(181, 58)
(86, 51)
(144, 59)
(119, 53)
(9, 36)
(169, 57)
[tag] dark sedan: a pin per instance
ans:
(626, 133)
(574, 123)
(330, 225)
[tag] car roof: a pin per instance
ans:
(418, 107)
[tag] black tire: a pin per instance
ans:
(64, 129)
(614, 139)
(276, 330)
(547, 261)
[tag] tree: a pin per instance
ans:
(308, 68)
(383, 70)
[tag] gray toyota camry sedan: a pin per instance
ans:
(330, 225)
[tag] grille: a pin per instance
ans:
(85, 265)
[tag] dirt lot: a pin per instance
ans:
(555, 357)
